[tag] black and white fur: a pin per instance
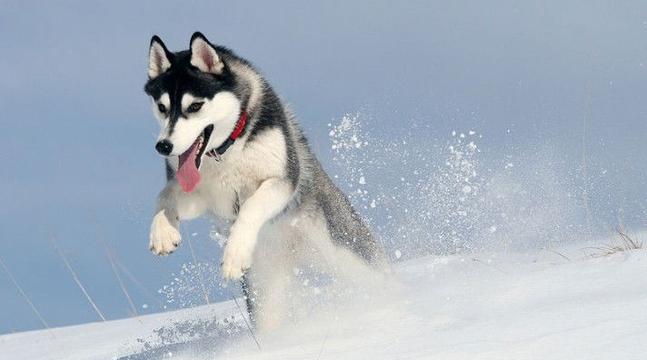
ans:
(284, 208)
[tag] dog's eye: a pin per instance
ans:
(195, 107)
(161, 108)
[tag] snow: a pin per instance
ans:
(558, 304)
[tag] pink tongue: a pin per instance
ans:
(187, 173)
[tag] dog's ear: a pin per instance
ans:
(204, 56)
(159, 58)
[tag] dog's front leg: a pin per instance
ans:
(173, 206)
(265, 203)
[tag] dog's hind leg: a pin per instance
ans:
(334, 256)
(268, 282)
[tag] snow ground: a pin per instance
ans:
(495, 306)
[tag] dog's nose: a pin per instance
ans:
(164, 147)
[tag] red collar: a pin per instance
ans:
(239, 129)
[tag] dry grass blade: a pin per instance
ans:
(557, 253)
(138, 283)
(76, 279)
(24, 294)
(628, 242)
(205, 292)
(624, 242)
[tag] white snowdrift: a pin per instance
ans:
(459, 307)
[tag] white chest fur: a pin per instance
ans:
(224, 187)
(226, 184)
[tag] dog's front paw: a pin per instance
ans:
(237, 258)
(164, 237)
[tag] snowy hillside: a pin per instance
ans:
(565, 304)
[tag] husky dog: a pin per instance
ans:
(232, 149)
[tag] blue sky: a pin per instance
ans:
(77, 133)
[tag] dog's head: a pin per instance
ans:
(194, 101)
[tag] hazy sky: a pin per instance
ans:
(77, 133)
